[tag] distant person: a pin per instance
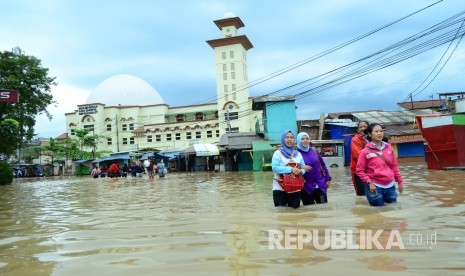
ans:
(149, 167)
(317, 178)
(285, 155)
(114, 171)
(133, 169)
(140, 170)
(95, 171)
(356, 145)
(125, 170)
(103, 171)
(377, 167)
(161, 169)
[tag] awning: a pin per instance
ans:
(173, 151)
(80, 161)
(238, 141)
(206, 150)
(111, 159)
(156, 155)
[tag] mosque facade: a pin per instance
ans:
(131, 115)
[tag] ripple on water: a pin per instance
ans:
(211, 223)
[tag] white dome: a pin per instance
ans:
(124, 90)
(229, 15)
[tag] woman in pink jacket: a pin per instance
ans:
(377, 167)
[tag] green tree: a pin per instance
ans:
(54, 150)
(26, 75)
(89, 141)
(9, 137)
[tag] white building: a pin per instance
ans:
(131, 114)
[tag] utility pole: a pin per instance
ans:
(432, 103)
(411, 100)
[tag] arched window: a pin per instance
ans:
(180, 118)
(199, 116)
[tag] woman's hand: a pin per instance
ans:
(296, 171)
(401, 189)
(373, 189)
(306, 168)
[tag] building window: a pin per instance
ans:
(178, 136)
(225, 76)
(217, 133)
(234, 130)
(231, 54)
(233, 87)
(73, 132)
(89, 127)
(198, 135)
(199, 116)
(131, 126)
(209, 134)
(109, 141)
(234, 96)
(149, 138)
(224, 67)
(180, 118)
(188, 135)
(226, 97)
(232, 116)
(125, 127)
(233, 75)
(108, 127)
(223, 54)
(168, 137)
(225, 88)
(232, 66)
(125, 141)
(131, 140)
(158, 138)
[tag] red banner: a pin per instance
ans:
(9, 96)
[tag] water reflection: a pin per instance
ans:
(218, 223)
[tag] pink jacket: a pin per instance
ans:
(371, 167)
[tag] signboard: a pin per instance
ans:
(88, 109)
(9, 96)
(408, 138)
(405, 137)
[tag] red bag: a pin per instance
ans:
(291, 183)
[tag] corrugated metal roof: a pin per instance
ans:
(392, 117)
(238, 140)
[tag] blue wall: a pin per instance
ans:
(280, 116)
(411, 149)
(338, 132)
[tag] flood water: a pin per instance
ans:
(219, 224)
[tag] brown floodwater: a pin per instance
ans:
(219, 224)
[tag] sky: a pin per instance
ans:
(84, 42)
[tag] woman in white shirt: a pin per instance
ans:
(281, 157)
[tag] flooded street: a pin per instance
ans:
(219, 223)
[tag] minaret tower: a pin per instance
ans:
(231, 75)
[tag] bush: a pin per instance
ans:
(6, 173)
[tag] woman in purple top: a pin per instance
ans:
(317, 180)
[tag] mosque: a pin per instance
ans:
(131, 115)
